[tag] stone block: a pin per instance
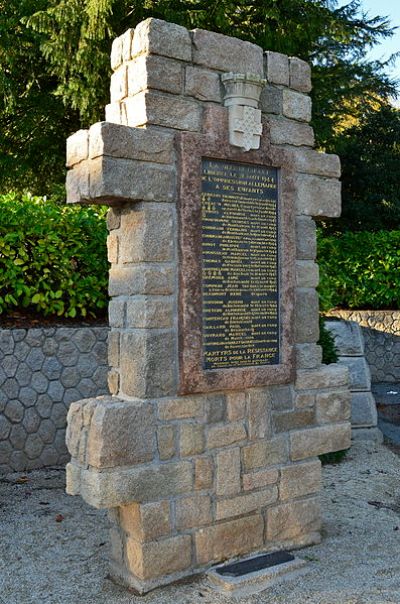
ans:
(216, 408)
(225, 53)
(348, 337)
(126, 44)
(203, 473)
(114, 180)
(260, 479)
(306, 238)
(140, 144)
(77, 183)
(115, 113)
(277, 68)
(258, 414)
(307, 273)
(119, 84)
(244, 504)
(308, 356)
(317, 196)
(154, 36)
(113, 381)
(299, 75)
(146, 234)
(113, 218)
(116, 53)
(193, 511)
(359, 373)
(157, 280)
(228, 472)
(304, 400)
(296, 106)
(147, 363)
(120, 433)
(120, 486)
(225, 435)
(145, 521)
(157, 558)
(166, 439)
(112, 247)
(202, 84)
(316, 441)
(309, 161)
(363, 410)
(288, 132)
(235, 406)
(282, 397)
(271, 100)
(307, 315)
(161, 109)
(77, 148)
(191, 440)
(145, 312)
(299, 480)
(181, 408)
(229, 539)
(333, 406)
(326, 376)
(265, 453)
(293, 420)
(116, 312)
(154, 72)
(297, 522)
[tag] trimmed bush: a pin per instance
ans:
(53, 258)
(360, 270)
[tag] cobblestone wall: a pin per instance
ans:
(381, 331)
(42, 371)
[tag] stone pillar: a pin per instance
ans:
(199, 466)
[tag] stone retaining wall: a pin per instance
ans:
(381, 331)
(42, 371)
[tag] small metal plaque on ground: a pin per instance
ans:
(255, 574)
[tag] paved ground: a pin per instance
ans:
(43, 561)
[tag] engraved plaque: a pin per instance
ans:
(240, 276)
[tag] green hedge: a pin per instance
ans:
(52, 257)
(360, 270)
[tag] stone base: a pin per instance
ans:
(363, 410)
(367, 434)
(121, 576)
(257, 581)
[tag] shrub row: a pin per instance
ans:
(53, 257)
(360, 270)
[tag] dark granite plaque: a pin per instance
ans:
(240, 277)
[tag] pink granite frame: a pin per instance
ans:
(214, 144)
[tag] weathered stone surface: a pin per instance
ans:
(166, 439)
(282, 397)
(260, 479)
(265, 453)
(191, 440)
(296, 106)
(244, 504)
(216, 408)
(333, 406)
(203, 473)
(154, 72)
(224, 53)
(117, 179)
(203, 84)
(229, 539)
(317, 196)
(271, 99)
(348, 337)
(308, 356)
(296, 522)
(363, 410)
(145, 521)
(287, 132)
(162, 557)
(77, 147)
(327, 376)
(306, 315)
(316, 441)
(359, 373)
(5, 427)
(116, 53)
(223, 436)
(193, 511)
(139, 144)
(181, 408)
(32, 423)
(126, 44)
(33, 446)
(154, 36)
(115, 113)
(307, 273)
(77, 183)
(146, 233)
(157, 279)
(115, 487)
(228, 472)
(258, 411)
(300, 479)
(309, 161)
(277, 68)
(293, 420)
(14, 411)
(306, 238)
(161, 109)
(304, 400)
(235, 406)
(299, 75)
(119, 84)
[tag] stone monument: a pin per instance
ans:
(207, 447)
